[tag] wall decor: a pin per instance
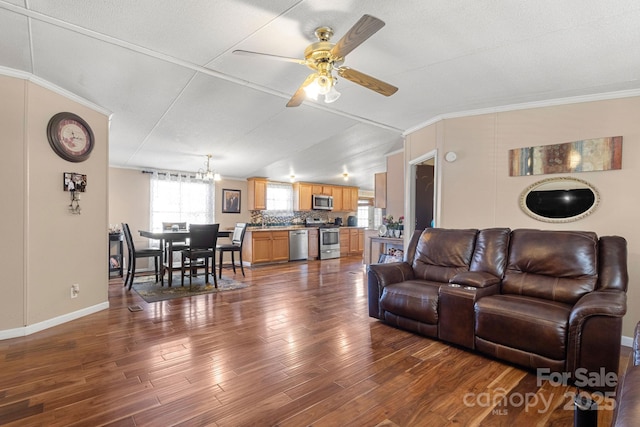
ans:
(74, 182)
(588, 155)
(230, 201)
(559, 199)
(70, 137)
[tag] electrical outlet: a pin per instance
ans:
(75, 290)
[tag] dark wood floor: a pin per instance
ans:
(295, 348)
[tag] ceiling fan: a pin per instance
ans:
(325, 57)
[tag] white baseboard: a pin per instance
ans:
(30, 329)
(627, 341)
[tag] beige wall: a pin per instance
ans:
(395, 185)
(477, 191)
(51, 249)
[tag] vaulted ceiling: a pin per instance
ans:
(167, 72)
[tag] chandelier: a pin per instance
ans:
(208, 174)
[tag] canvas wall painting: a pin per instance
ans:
(587, 155)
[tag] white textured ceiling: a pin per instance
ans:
(166, 71)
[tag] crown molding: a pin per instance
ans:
(23, 75)
(526, 105)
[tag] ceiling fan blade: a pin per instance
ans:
(362, 30)
(269, 56)
(367, 81)
(300, 94)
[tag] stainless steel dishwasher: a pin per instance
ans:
(298, 244)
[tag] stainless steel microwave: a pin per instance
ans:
(321, 202)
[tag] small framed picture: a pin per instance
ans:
(74, 182)
(230, 201)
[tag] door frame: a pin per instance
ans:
(410, 192)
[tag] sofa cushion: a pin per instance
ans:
(441, 253)
(413, 299)
(530, 324)
(555, 265)
(491, 251)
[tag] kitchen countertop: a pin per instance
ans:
(289, 227)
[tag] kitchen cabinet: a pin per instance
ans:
(257, 193)
(345, 199)
(302, 196)
(351, 241)
(344, 241)
(314, 244)
(266, 246)
(337, 199)
(380, 193)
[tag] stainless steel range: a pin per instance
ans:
(329, 242)
(329, 238)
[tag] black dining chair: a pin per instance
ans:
(203, 239)
(237, 239)
(134, 254)
(177, 246)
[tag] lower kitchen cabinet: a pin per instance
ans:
(351, 241)
(314, 244)
(266, 246)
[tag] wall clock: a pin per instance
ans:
(70, 137)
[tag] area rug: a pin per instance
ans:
(150, 291)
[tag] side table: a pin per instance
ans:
(115, 258)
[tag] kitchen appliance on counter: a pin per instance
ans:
(298, 244)
(352, 221)
(321, 202)
(338, 222)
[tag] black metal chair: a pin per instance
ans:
(237, 240)
(134, 254)
(203, 240)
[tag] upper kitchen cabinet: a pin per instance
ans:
(336, 192)
(380, 200)
(257, 193)
(302, 196)
(345, 199)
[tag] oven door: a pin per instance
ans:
(329, 243)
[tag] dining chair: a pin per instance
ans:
(237, 240)
(177, 246)
(134, 254)
(203, 239)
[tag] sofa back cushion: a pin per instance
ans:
(491, 251)
(555, 265)
(442, 253)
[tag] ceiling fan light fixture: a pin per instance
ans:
(332, 95)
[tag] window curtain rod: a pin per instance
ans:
(176, 174)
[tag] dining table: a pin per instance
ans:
(171, 236)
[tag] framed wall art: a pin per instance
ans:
(230, 201)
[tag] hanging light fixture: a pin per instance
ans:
(208, 174)
(323, 84)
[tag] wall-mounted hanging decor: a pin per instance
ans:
(70, 137)
(579, 156)
(74, 183)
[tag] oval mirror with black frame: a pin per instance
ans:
(561, 199)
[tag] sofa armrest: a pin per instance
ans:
(612, 304)
(595, 332)
(476, 279)
(381, 275)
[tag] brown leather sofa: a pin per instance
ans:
(535, 298)
(627, 411)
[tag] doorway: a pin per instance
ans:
(422, 193)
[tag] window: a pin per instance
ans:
(279, 197)
(177, 198)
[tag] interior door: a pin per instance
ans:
(425, 181)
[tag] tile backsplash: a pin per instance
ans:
(273, 218)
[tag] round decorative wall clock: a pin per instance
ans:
(70, 137)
